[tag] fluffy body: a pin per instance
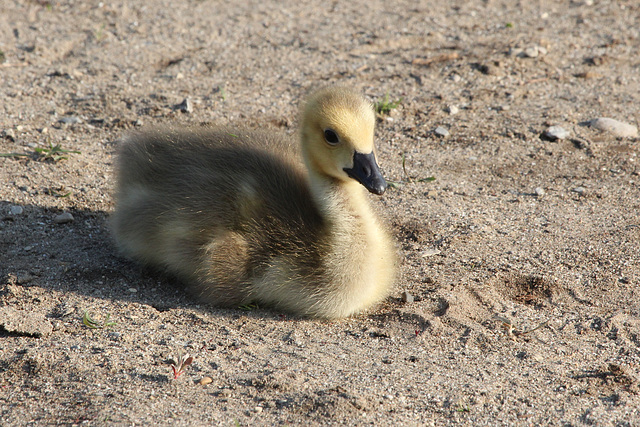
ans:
(241, 216)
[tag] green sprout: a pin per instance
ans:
(223, 93)
(14, 155)
(98, 33)
(249, 307)
(60, 192)
(385, 105)
(395, 184)
(54, 152)
(93, 324)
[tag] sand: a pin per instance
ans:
(521, 257)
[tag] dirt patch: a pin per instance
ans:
(519, 264)
(529, 289)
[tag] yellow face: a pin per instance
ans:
(337, 137)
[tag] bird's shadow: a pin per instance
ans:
(80, 257)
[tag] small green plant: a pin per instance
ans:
(54, 152)
(58, 192)
(223, 93)
(93, 324)
(14, 155)
(508, 25)
(182, 361)
(408, 178)
(249, 307)
(385, 105)
(98, 34)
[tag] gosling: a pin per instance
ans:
(243, 216)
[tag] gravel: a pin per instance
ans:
(524, 308)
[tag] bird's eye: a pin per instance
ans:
(331, 137)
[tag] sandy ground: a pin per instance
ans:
(522, 256)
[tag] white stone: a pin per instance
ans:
(440, 131)
(614, 127)
(407, 297)
(533, 52)
(556, 132)
(430, 252)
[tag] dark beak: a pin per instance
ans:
(365, 170)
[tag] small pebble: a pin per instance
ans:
(540, 358)
(579, 190)
(70, 120)
(63, 218)
(16, 210)
(589, 75)
(186, 106)
(133, 290)
(257, 409)
(430, 252)
(440, 131)
(9, 134)
(534, 52)
(406, 297)
(539, 191)
(614, 127)
(515, 51)
(452, 109)
(206, 380)
(25, 278)
(555, 133)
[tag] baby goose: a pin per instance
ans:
(238, 217)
